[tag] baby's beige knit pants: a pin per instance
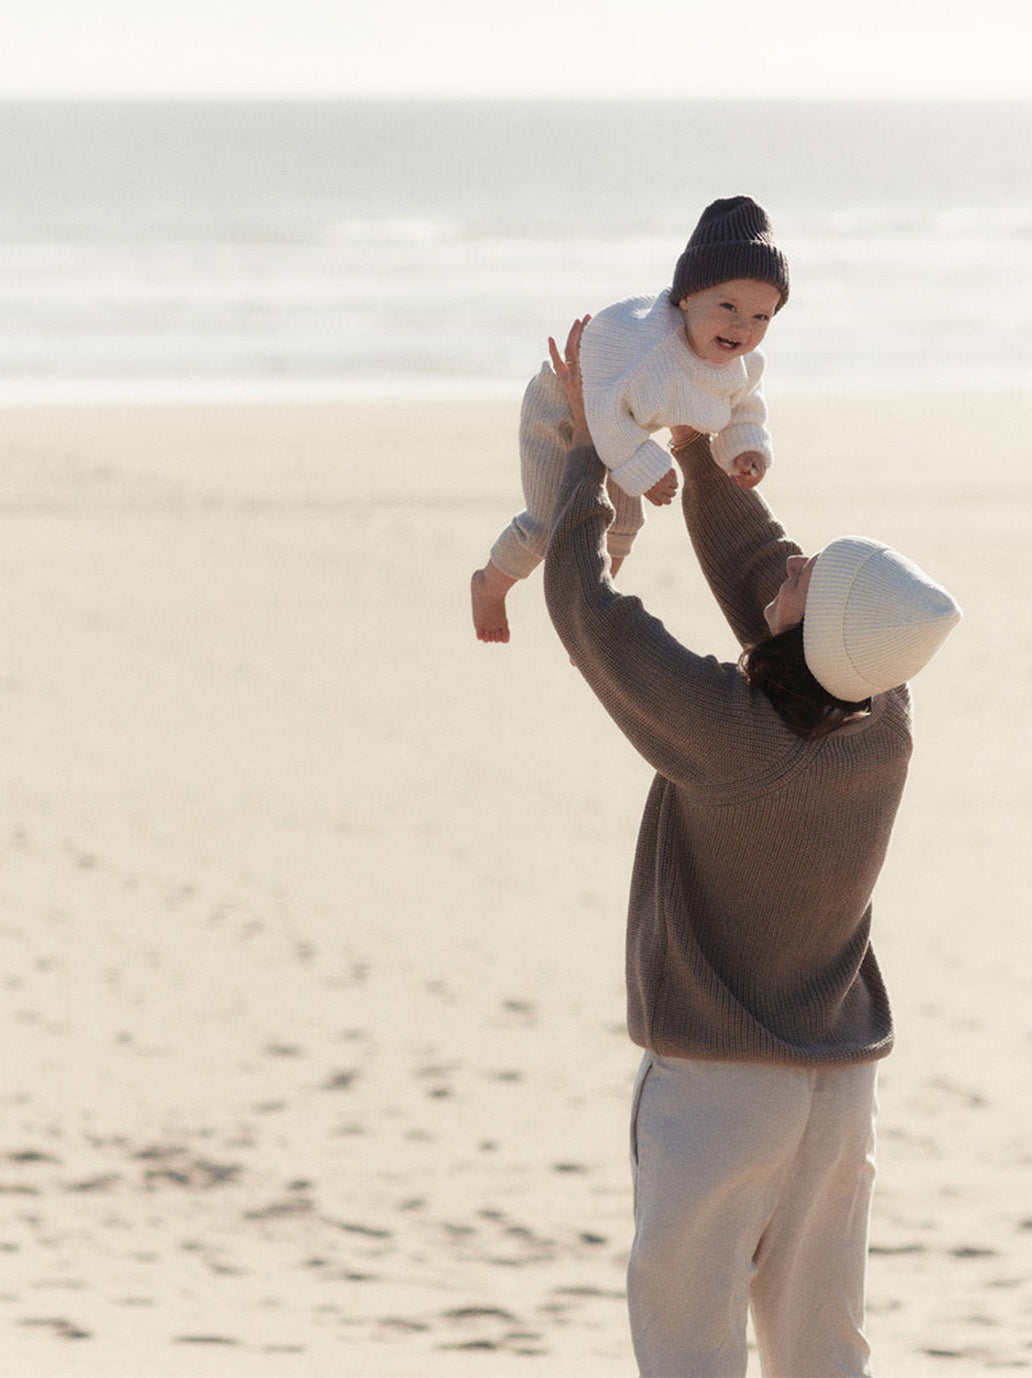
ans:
(544, 418)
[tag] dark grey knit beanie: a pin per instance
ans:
(733, 239)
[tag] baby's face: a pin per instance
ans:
(724, 322)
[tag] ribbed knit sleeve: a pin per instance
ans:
(740, 544)
(643, 467)
(677, 708)
(747, 427)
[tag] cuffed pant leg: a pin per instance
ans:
(711, 1143)
(808, 1294)
(629, 519)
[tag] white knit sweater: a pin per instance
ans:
(640, 375)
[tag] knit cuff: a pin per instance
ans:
(735, 440)
(643, 470)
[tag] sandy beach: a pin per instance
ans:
(312, 906)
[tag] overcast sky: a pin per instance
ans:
(340, 48)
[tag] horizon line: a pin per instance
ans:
(529, 98)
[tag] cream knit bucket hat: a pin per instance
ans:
(873, 619)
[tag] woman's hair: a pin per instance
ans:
(778, 667)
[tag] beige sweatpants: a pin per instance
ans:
(752, 1187)
(544, 441)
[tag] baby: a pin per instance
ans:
(684, 359)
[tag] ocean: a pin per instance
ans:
(152, 249)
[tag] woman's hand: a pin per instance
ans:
(567, 370)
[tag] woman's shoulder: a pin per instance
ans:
(749, 749)
(754, 751)
(897, 713)
(880, 737)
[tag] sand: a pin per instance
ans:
(312, 907)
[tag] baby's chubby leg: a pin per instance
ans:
(488, 589)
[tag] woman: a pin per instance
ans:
(751, 982)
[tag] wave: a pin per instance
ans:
(340, 245)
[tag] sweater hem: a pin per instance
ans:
(784, 1056)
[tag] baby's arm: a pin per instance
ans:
(639, 466)
(743, 449)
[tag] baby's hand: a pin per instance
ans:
(748, 468)
(663, 492)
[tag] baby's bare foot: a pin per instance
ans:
(488, 588)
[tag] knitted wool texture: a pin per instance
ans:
(873, 618)
(733, 239)
(748, 935)
(640, 375)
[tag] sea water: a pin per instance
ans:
(392, 248)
